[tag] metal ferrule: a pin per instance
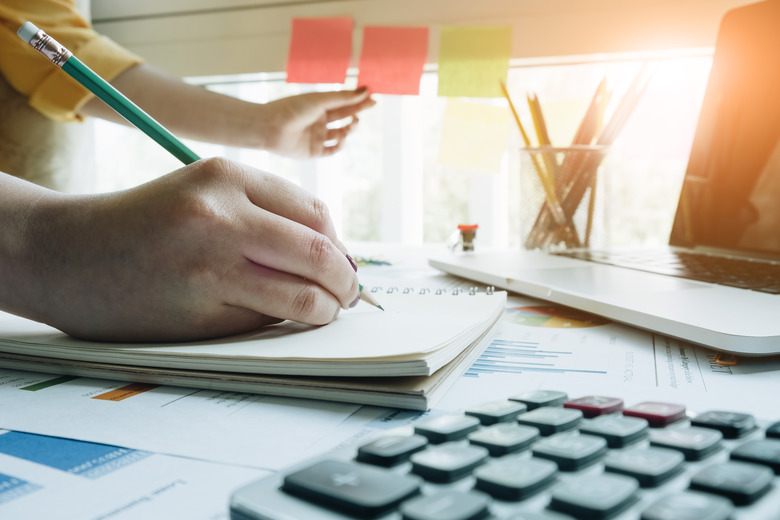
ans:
(50, 48)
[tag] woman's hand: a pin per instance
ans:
(302, 126)
(214, 248)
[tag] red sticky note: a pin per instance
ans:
(320, 49)
(392, 59)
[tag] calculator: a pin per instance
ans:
(539, 455)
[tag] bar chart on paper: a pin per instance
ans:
(542, 339)
(517, 357)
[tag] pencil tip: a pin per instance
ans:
(380, 307)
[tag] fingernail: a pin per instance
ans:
(352, 263)
(357, 300)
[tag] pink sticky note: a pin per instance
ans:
(392, 59)
(320, 49)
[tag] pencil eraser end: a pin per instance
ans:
(27, 31)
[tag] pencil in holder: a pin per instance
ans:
(562, 197)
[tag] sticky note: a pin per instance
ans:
(392, 59)
(320, 50)
(473, 60)
(474, 136)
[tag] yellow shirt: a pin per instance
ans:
(48, 89)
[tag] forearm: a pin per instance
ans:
(186, 110)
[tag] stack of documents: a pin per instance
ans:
(404, 357)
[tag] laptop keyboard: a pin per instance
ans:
(540, 455)
(754, 275)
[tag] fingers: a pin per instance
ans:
(285, 199)
(340, 132)
(334, 138)
(331, 149)
(284, 245)
(289, 230)
(343, 104)
(343, 112)
(284, 296)
(345, 98)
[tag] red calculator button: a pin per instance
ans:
(595, 405)
(657, 414)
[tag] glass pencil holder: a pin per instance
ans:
(563, 197)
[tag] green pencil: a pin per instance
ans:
(366, 297)
(65, 60)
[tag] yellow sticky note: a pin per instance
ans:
(473, 60)
(474, 136)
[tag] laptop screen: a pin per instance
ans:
(730, 199)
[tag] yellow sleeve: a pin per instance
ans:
(50, 90)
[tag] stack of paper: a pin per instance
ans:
(401, 357)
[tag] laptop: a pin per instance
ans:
(728, 214)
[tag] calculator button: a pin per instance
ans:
(694, 443)
(731, 424)
(594, 496)
(540, 398)
(617, 430)
(546, 515)
(497, 412)
(656, 414)
(352, 488)
(446, 428)
(447, 462)
(501, 439)
(571, 451)
(741, 482)
(447, 505)
(689, 505)
(515, 477)
(595, 405)
(773, 430)
(765, 452)
(649, 466)
(391, 449)
(551, 420)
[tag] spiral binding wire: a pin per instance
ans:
(471, 291)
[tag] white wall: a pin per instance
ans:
(213, 37)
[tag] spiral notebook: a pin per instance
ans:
(403, 357)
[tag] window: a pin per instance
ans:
(386, 184)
